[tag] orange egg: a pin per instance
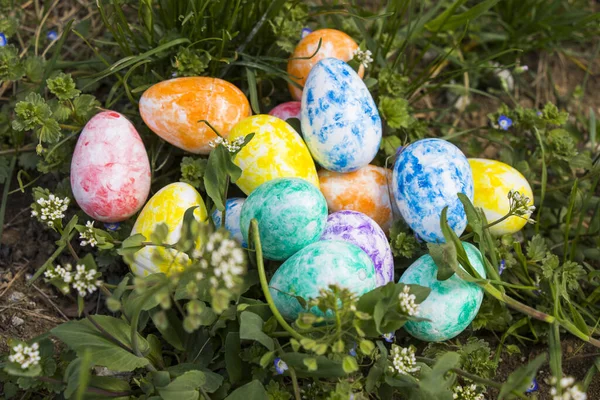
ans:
(173, 109)
(365, 191)
(334, 44)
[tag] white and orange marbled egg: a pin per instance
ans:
(174, 110)
(110, 172)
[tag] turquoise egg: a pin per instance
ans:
(233, 209)
(452, 304)
(317, 266)
(291, 214)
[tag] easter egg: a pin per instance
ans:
(275, 151)
(365, 190)
(493, 180)
(451, 305)
(333, 43)
(340, 121)
(314, 268)
(174, 108)
(284, 111)
(358, 229)
(428, 175)
(233, 209)
(167, 206)
(291, 214)
(110, 172)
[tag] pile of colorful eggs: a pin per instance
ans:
(341, 133)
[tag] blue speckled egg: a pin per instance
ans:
(291, 214)
(233, 209)
(452, 304)
(340, 121)
(317, 266)
(428, 175)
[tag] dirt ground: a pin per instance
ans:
(27, 311)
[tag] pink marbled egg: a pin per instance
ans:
(291, 109)
(110, 171)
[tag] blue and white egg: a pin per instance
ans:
(428, 175)
(340, 121)
(233, 208)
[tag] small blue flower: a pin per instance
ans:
(305, 32)
(504, 122)
(3, 41)
(533, 387)
(352, 351)
(52, 35)
(539, 113)
(502, 267)
(389, 337)
(112, 226)
(280, 366)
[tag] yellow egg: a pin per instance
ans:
(492, 182)
(275, 151)
(168, 206)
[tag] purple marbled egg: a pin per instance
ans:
(357, 228)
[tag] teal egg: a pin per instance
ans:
(291, 214)
(317, 266)
(452, 304)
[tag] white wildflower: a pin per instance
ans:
(404, 361)
(82, 280)
(407, 302)
(232, 147)
(467, 393)
(26, 356)
(50, 210)
(227, 259)
(520, 205)
(88, 236)
(364, 57)
(565, 389)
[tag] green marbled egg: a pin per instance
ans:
(451, 305)
(291, 214)
(317, 266)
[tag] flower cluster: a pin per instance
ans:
(519, 205)
(364, 57)
(83, 280)
(467, 393)
(403, 359)
(232, 147)
(227, 259)
(568, 389)
(25, 356)
(87, 236)
(407, 302)
(50, 210)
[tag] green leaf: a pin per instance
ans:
(132, 244)
(82, 335)
(172, 330)
(555, 350)
(251, 329)
(253, 390)
(233, 362)
(184, 387)
(521, 378)
(444, 256)
(78, 375)
(395, 111)
(450, 21)
(461, 254)
(326, 368)
(311, 364)
(219, 168)
(349, 364)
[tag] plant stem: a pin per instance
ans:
(23, 149)
(255, 236)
